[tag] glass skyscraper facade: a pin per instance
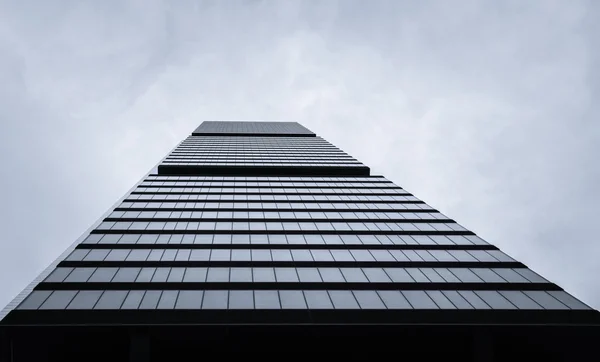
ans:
(250, 229)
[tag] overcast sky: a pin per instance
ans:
(486, 110)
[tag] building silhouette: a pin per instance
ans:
(264, 232)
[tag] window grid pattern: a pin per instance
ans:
(191, 239)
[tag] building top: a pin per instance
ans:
(230, 128)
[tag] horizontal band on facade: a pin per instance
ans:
(283, 232)
(233, 134)
(266, 209)
(293, 264)
(165, 169)
(288, 246)
(295, 286)
(266, 220)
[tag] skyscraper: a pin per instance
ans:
(263, 230)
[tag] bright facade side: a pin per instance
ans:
(253, 229)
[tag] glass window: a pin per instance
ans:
(393, 299)
(343, 299)
(241, 299)
(138, 255)
(161, 275)
(266, 299)
(439, 299)
(59, 299)
(35, 299)
(317, 299)
(96, 255)
(167, 299)
(263, 275)
(382, 255)
(362, 255)
(215, 299)
(432, 275)
(145, 275)
(331, 275)
(354, 275)
(568, 300)
(133, 299)
(281, 255)
(241, 275)
(195, 275)
(457, 299)
(176, 275)
(342, 255)
(58, 275)
(481, 255)
(80, 275)
(261, 255)
(220, 255)
(441, 255)
(494, 299)
(117, 255)
(169, 255)
(199, 255)
(544, 299)
(417, 275)
(473, 299)
(308, 275)
(302, 255)
(530, 275)
(487, 275)
(103, 275)
(419, 299)
(321, 255)
(150, 300)
(292, 299)
(77, 255)
(399, 275)
(368, 299)
(376, 275)
(111, 299)
(85, 299)
(189, 299)
(218, 275)
(286, 275)
(465, 275)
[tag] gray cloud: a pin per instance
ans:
(486, 110)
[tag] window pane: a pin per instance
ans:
(111, 299)
(167, 300)
(440, 299)
(292, 299)
(544, 299)
(263, 275)
(308, 275)
(368, 299)
(568, 300)
(35, 299)
(150, 299)
(103, 275)
(215, 299)
(58, 275)
(85, 299)
(266, 299)
(241, 299)
(133, 299)
(494, 299)
(473, 299)
(376, 275)
(354, 275)
(419, 299)
(317, 299)
(457, 299)
(80, 275)
(331, 275)
(393, 299)
(195, 275)
(59, 299)
(343, 299)
(189, 299)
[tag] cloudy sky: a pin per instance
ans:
(487, 110)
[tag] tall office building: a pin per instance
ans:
(260, 231)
